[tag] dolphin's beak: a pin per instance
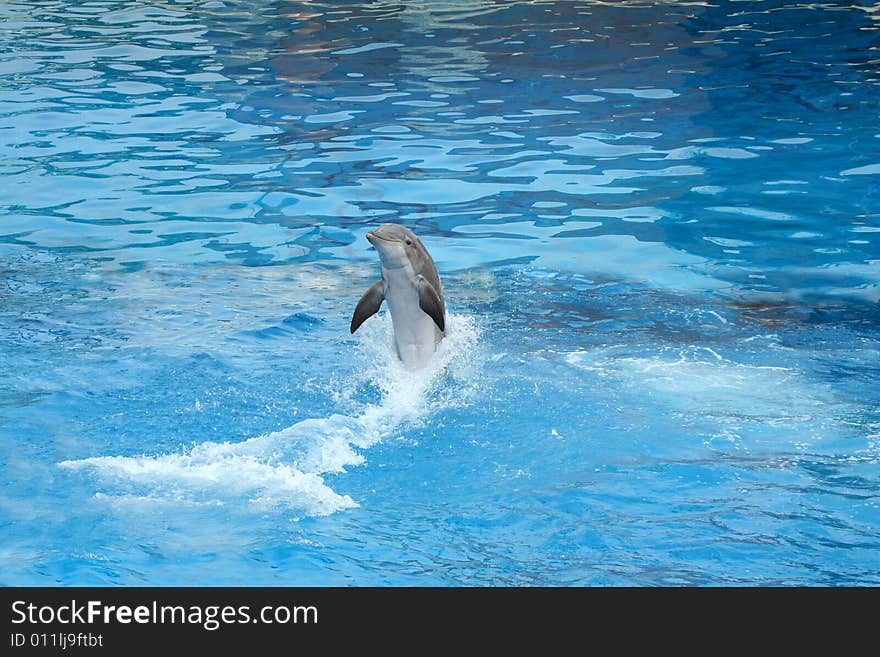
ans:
(374, 238)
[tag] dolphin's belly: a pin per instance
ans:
(415, 334)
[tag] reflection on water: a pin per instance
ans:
(220, 130)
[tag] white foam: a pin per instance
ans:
(286, 469)
(702, 382)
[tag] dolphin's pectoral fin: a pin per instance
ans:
(429, 301)
(368, 305)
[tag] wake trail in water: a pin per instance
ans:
(286, 468)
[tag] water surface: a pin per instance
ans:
(657, 228)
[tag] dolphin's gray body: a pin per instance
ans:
(411, 285)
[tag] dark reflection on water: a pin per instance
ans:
(743, 134)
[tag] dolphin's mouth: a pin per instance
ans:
(372, 235)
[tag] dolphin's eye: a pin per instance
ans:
(408, 241)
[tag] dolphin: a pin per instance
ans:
(411, 285)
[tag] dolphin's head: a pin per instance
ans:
(396, 244)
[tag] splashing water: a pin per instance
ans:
(286, 468)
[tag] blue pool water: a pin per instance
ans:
(658, 229)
